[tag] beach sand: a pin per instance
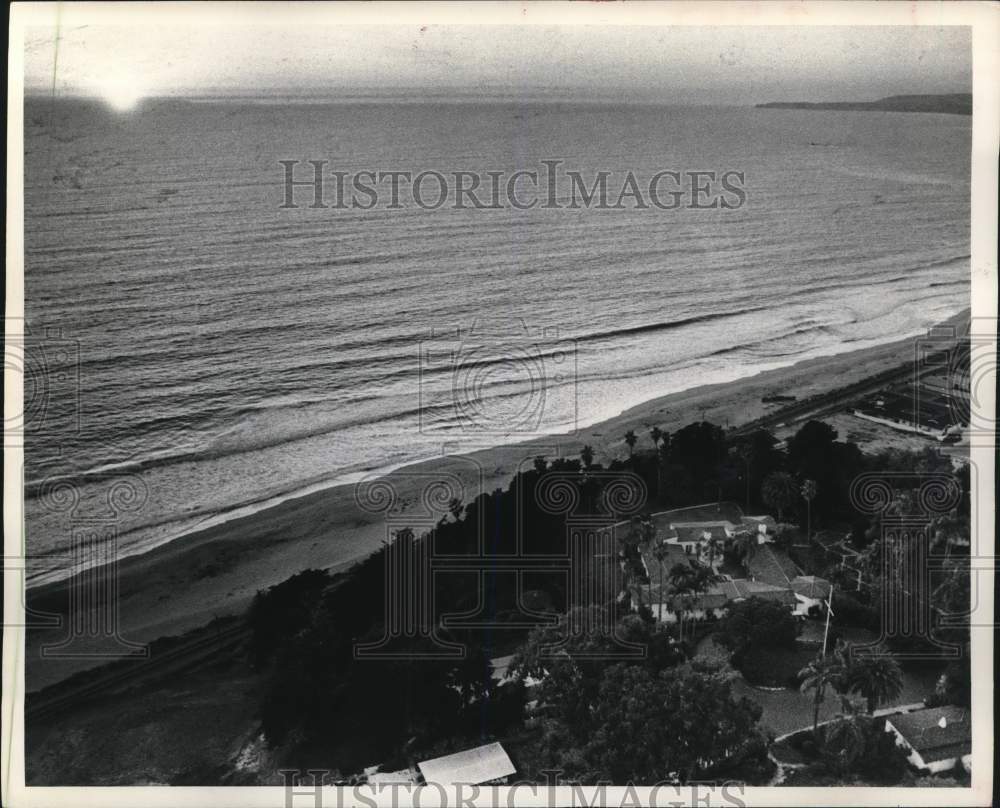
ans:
(215, 572)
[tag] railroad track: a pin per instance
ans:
(824, 402)
(170, 660)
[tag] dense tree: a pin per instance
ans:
(756, 623)
(696, 452)
(810, 450)
(643, 726)
(687, 581)
(954, 686)
(760, 458)
(779, 491)
(587, 456)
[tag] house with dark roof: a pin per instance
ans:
(757, 589)
(771, 566)
(935, 739)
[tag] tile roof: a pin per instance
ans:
(470, 767)
(760, 520)
(720, 594)
(921, 730)
(759, 589)
(772, 566)
(809, 586)
(674, 555)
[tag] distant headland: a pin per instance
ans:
(950, 103)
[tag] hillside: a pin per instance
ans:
(952, 104)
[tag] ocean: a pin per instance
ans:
(190, 334)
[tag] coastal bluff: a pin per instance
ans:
(951, 104)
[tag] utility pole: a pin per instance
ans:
(829, 611)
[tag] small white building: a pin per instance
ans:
(764, 526)
(810, 591)
(935, 739)
(487, 764)
(401, 776)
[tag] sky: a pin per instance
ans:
(693, 65)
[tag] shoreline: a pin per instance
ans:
(215, 571)
(355, 477)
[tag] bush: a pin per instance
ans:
(774, 667)
(757, 623)
(852, 612)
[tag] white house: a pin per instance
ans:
(935, 739)
(483, 764)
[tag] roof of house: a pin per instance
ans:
(760, 520)
(400, 776)
(665, 532)
(720, 594)
(772, 566)
(715, 597)
(470, 767)
(501, 665)
(674, 554)
(809, 586)
(766, 591)
(695, 531)
(922, 730)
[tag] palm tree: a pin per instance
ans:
(808, 493)
(681, 579)
(656, 433)
(587, 456)
(819, 674)
(844, 739)
(630, 442)
(746, 547)
(779, 491)
(745, 452)
(876, 676)
(661, 552)
(689, 580)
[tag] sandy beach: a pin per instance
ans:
(215, 572)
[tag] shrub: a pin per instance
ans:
(852, 612)
(774, 667)
(756, 623)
